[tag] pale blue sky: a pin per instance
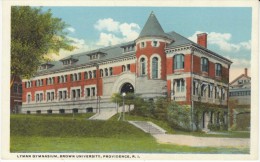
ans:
(229, 29)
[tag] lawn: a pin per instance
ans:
(38, 133)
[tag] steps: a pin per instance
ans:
(148, 127)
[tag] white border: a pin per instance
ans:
(166, 3)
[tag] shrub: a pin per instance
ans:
(178, 116)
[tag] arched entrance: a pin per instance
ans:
(127, 88)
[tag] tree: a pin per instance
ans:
(34, 35)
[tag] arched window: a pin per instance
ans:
(155, 68)
(218, 70)
(110, 71)
(90, 74)
(101, 72)
(106, 71)
(204, 64)
(179, 61)
(123, 68)
(143, 66)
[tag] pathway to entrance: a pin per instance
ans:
(202, 141)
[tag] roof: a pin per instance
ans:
(239, 77)
(152, 28)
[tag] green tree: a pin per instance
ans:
(34, 35)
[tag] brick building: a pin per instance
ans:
(16, 95)
(155, 64)
(240, 102)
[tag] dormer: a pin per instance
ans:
(69, 60)
(45, 66)
(128, 48)
(96, 55)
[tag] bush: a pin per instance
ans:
(178, 116)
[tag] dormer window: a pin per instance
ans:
(155, 43)
(45, 66)
(96, 55)
(128, 48)
(142, 45)
(69, 61)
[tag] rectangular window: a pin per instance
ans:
(110, 71)
(179, 61)
(41, 97)
(88, 92)
(78, 93)
(79, 74)
(180, 87)
(37, 98)
(71, 78)
(93, 91)
(60, 95)
(52, 96)
(15, 88)
(64, 94)
(48, 96)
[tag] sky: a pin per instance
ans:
(228, 28)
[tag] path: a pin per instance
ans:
(202, 141)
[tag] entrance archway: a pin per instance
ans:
(127, 88)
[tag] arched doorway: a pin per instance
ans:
(127, 88)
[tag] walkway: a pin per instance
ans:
(202, 141)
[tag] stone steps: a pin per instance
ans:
(148, 127)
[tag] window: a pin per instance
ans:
(37, 98)
(75, 77)
(94, 74)
(52, 96)
(203, 89)
(143, 66)
(218, 68)
(62, 79)
(62, 111)
(93, 91)
(210, 91)
(155, 43)
(64, 94)
(88, 92)
(128, 67)
(78, 93)
(48, 96)
(28, 98)
(179, 61)
(90, 74)
(101, 72)
(65, 78)
(204, 64)
(79, 76)
(180, 87)
(106, 71)
(123, 68)
(155, 68)
(86, 75)
(41, 96)
(110, 71)
(71, 78)
(60, 95)
(142, 44)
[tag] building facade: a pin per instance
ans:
(156, 64)
(240, 101)
(16, 95)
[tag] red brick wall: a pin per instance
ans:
(169, 87)
(211, 69)
(149, 51)
(117, 70)
(196, 64)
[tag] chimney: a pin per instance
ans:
(245, 71)
(202, 39)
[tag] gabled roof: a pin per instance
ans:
(152, 28)
(239, 77)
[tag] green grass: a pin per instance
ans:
(100, 144)
(40, 133)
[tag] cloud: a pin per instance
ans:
(107, 25)
(72, 30)
(81, 46)
(222, 40)
(113, 32)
